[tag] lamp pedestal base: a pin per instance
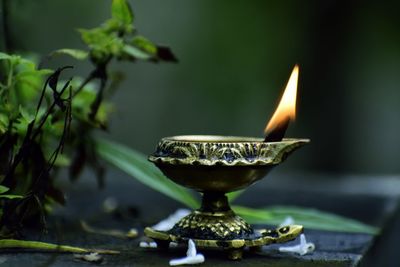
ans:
(215, 225)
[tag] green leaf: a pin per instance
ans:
(145, 45)
(4, 56)
(3, 189)
(11, 196)
(32, 73)
(28, 84)
(23, 64)
(233, 195)
(309, 218)
(136, 52)
(28, 117)
(121, 10)
(136, 164)
(75, 53)
(91, 36)
(4, 122)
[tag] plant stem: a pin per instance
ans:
(84, 83)
(10, 74)
(7, 40)
(24, 244)
(100, 72)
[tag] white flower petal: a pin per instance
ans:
(169, 222)
(288, 221)
(144, 244)
(302, 249)
(191, 252)
(192, 256)
(199, 258)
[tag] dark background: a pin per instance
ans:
(235, 58)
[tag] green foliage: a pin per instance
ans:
(35, 118)
(47, 122)
(136, 164)
(116, 38)
(145, 45)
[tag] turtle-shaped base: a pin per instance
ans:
(224, 230)
(215, 225)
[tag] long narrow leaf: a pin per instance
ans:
(136, 164)
(233, 195)
(309, 218)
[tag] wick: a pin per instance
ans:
(276, 133)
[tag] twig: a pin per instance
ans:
(31, 134)
(100, 72)
(109, 232)
(97, 101)
(88, 79)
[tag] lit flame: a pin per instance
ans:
(286, 109)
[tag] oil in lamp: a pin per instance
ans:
(216, 165)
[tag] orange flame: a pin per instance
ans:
(286, 109)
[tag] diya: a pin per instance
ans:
(216, 165)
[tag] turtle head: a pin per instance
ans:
(288, 232)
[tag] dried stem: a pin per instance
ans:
(36, 245)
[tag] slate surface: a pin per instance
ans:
(333, 249)
(141, 207)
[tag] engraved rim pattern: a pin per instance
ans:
(222, 150)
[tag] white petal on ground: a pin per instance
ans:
(191, 252)
(144, 244)
(288, 221)
(169, 222)
(192, 256)
(199, 258)
(302, 249)
(153, 245)
(91, 257)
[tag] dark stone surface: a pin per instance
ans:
(142, 207)
(333, 249)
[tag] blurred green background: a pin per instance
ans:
(235, 58)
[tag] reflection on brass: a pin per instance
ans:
(215, 165)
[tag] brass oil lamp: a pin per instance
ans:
(216, 165)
